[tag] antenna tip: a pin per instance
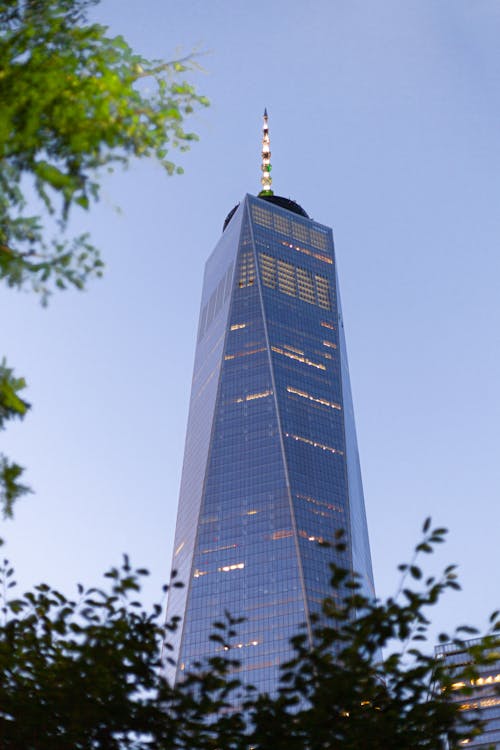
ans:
(265, 111)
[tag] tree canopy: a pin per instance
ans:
(75, 102)
(86, 674)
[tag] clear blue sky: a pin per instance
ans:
(385, 124)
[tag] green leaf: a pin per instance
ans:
(11, 488)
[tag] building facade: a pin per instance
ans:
(482, 699)
(271, 467)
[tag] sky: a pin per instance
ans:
(385, 124)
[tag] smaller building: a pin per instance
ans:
(480, 696)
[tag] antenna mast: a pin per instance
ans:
(266, 179)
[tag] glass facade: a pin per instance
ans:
(484, 699)
(271, 465)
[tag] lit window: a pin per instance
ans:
(321, 503)
(281, 224)
(268, 270)
(327, 325)
(218, 549)
(294, 280)
(252, 397)
(238, 645)
(228, 568)
(262, 394)
(299, 358)
(262, 216)
(306, 286)
(323, 291)
(317, 400)
(311, 537)
(286, 278)
(238, 326)
(306, 251)
(489, 702)
(484, 680)
(314, 443)
(293, 349)
(245, 353)
(199, 573)
(281, 534)
(330, 344)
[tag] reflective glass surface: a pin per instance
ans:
(482, 699)
(208, 359)
(271, 464)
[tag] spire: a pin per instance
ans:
(266, 178)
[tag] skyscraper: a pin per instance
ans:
(271, 465)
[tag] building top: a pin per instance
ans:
(266, 180)
(287, 203)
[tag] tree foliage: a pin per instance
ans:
(75, 101)
(71, 105)
(86, 674)
(11, 406)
